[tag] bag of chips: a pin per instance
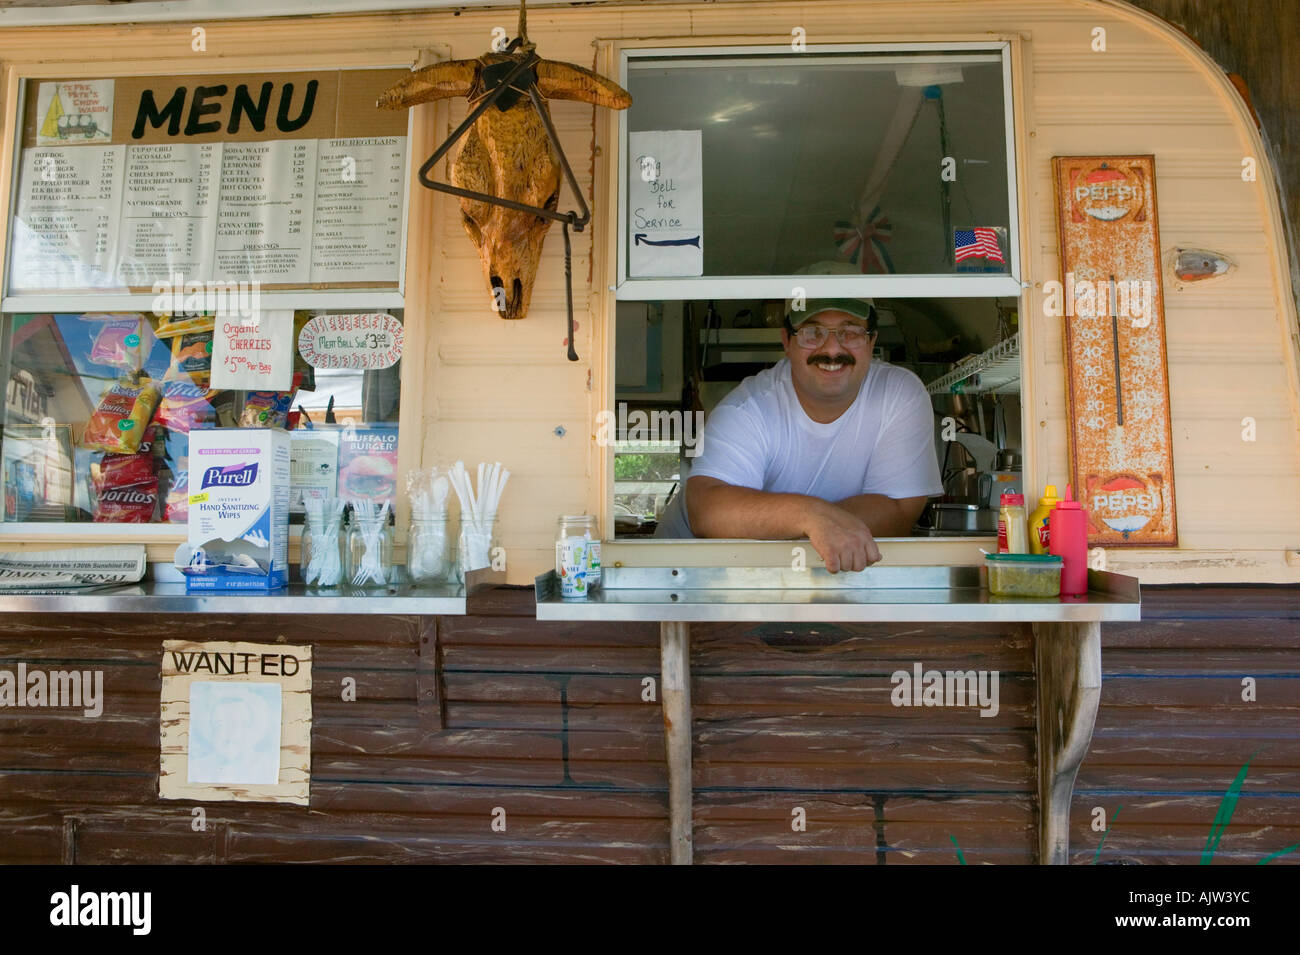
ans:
(177, 506)
(119, 422)
(121, 470)
(121, 341)
(191, 357)
(268, 409)
(133, 504)
(184, 405)
(169, 326)
(150, 443)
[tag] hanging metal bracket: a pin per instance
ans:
(522, 78)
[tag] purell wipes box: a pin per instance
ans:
(239, 510)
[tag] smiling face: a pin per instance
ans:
(827, 377)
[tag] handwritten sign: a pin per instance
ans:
(253, 354)
(236, 722)
(666, 199)
(366, 342)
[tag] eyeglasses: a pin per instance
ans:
(850, 336)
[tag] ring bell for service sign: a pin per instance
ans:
(1121, 447)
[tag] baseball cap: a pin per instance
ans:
(863, 308)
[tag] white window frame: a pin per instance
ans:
(113, 301)
(944, 285)
(109, 301)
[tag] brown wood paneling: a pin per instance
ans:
(547, 722)
(389, 782)
(1173, 730)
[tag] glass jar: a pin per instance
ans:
(369, 552)
(428, 551)
(476, 544)
(577, 554)
(592, 532)
(321, 550)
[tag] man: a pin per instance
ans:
(824, 445)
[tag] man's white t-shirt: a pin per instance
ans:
(760, 437)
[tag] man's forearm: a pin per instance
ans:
(885, 516)
(721, 510)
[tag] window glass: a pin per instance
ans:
(888, 161)
(99, 407)
(690, 355)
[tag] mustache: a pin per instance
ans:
(844, 358)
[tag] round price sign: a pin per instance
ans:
(366, 342)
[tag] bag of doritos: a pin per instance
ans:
(119, 422)
(132, 504)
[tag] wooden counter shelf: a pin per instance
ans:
(1067, 647)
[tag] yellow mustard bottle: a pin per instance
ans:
(1038, 539)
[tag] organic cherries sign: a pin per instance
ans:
(365, 342)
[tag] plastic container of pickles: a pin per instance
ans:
(1024, 575)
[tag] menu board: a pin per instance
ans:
(284, 179)
(168, 209)
(356, 233)
(66, 224)
(265, 215)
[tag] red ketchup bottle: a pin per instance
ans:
(1068, 539)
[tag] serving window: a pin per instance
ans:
(214, 250)
(756, 176)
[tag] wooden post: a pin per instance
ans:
(675, 685)
(1068, 660)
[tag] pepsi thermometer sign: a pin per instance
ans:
(1121, 442)
(361, 341)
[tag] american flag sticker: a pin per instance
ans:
(976, 244)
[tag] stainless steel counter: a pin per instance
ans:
(887, 594)
(1067, 648)
(169, 597)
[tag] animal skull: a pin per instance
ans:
(507, 153)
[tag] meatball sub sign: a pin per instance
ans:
(1121, 448)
